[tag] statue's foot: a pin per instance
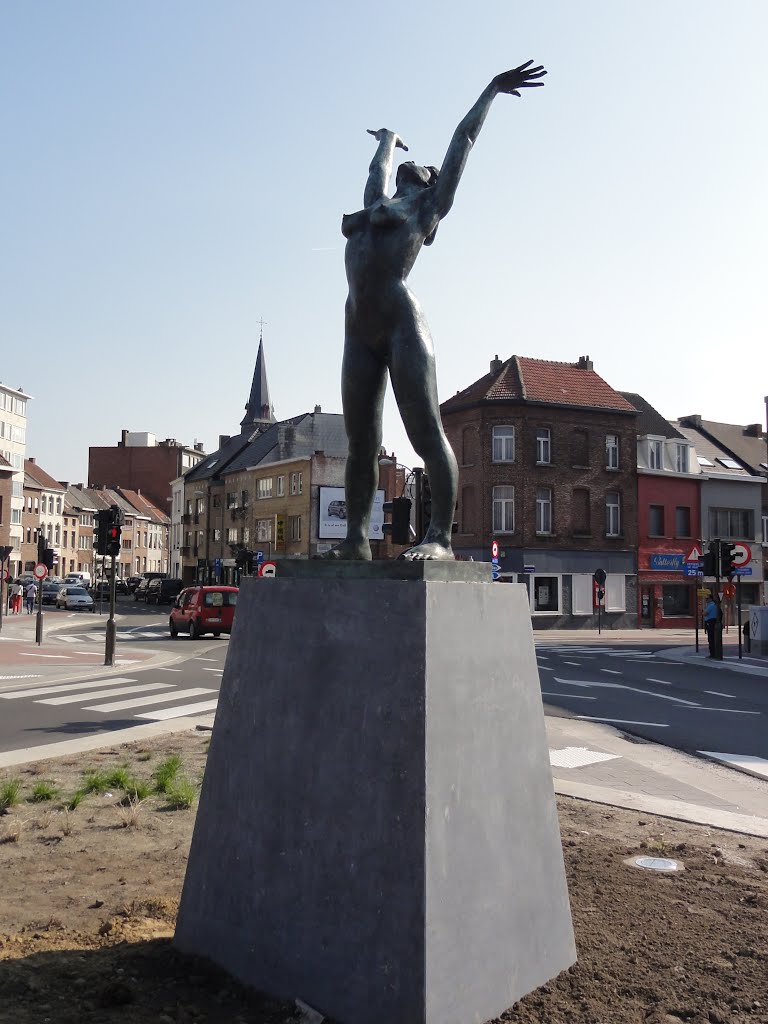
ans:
(349, 551)
(429, 550)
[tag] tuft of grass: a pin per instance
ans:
(129, 813)
(145, 756)
(10, 794)
(118, 778)
(14, 830)
(166, 773)
(95, 781)
(181, 794)
(137, 789)
(43, 790)
(66, 825)
(74, 801)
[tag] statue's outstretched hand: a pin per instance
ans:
(519, 78)
(382, 133)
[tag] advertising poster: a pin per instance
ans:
(332, 517)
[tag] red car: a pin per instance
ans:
(199, 610)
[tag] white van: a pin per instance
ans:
(82, 579)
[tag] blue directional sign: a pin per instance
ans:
(692, 568)
(495, 572)
(529, 568)
(259, 556)
(217, 567)
(743, 570)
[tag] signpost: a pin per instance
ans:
(599, 577)
(268, 569)
(5, 555)
(495, 571)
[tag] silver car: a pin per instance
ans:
(74, 599)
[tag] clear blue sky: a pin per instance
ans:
(173, 172)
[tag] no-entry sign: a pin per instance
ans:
(40, 571)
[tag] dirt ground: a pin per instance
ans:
(89, 898)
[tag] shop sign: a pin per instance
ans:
(661, 562)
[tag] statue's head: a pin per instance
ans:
(409, 173)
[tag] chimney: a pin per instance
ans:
(30, 459)
(754, 430)
(318, 409)
(223, 438)
(694, 420)
(123, 439)
(585, 363)
(198, 446)
(496, 364)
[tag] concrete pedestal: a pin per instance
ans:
(377, 832)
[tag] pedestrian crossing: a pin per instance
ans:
(97, 696)
(587, 650)
(97, 636)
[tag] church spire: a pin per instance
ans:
(258, 410)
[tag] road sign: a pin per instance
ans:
(694, 555)
(692, 569)
(729, 590)
(259, 556)
(743, 570)
(6, 575)
(40, 571)
(529, 568)
(495, 572)
(494, 549)
(742, 554)
(268, 569)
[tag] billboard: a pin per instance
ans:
(332, 515)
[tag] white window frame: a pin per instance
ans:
(263, 531)
(503, 443)
(543, 446)
(544, 511)
(655, 453)
(582, 594)
(280, 486)
(611, 451)
(264, 488)
(294, 528)
(765, 530)
(609, 515)
(501, 505)
(682, 458)
(532, 592)
(296, 483)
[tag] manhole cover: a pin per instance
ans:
(655, 863)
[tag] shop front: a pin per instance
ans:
(668, 598)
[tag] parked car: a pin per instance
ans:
(163, 591)
(78, 579)
(74, 599)
(140, 593)
(102, 587)
(199, 610)
(50, 592)
(132, 582)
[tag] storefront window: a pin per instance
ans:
(546, 593)
(677, 600)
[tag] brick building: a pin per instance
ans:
(6, 491)
(141, 463)
(43, 512)
(546, 455)
(669, 515)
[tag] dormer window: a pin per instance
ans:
(655, 455)
(681, 458)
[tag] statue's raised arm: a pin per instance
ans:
(510, 82)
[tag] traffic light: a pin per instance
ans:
(100, 536)
(727, 556)
(113, 540)
(400, 527)
(244, 561)
(41, 546)
(709, 568)
(49, 558)
(5, 552)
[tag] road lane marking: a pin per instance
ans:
(63, 688)
(73, 699)
(541, 657)
(622, 721)
(612, 671)
(569, 696)
(545, 668)
(664, 682)
(757, 765)
(156, 698)
(169, 670)
(716, 693)
(576, 663)
(625, 686)
(206, 659)
(729, 711)
(217, 671)
(180, 712)
(37, 676)
(35, 654)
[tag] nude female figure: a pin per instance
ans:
(385, 329)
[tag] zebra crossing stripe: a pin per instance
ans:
(118, 692)
(155, 698)
(63, 688)
(179, 712)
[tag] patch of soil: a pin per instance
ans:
(89, 899)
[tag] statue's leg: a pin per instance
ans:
(412, 368)
(363, 383)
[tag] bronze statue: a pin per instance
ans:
(385, 328)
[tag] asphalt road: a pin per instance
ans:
(691, 707)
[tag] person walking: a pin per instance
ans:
(31, 595)
(712, 615)
(17, 592)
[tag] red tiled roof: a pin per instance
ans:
(144, 506)
(543, 381)
(41, 477)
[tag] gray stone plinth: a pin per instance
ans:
(377, 832)
(394, 569)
